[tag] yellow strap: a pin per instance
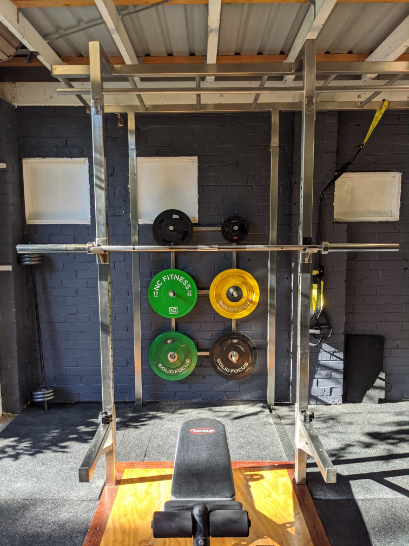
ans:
(376, 119)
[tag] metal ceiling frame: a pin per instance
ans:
(231, 70)
(197, 72)
(398, 69)
(234, 90)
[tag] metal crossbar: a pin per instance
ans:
(350, 88)
(92, 248)
(232, 69)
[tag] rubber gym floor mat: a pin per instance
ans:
(281, 512)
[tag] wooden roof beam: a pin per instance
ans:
(392, 47)
(213, 30)
(118, 32)
(24, 31)
(314, 20)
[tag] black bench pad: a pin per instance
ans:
(176, 506)
(203, 468)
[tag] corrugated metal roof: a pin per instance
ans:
(249, 29)
(176, 30)
(52, 22)
(359, 28)
(245, 29)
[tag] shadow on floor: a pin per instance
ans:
(368, 444)
(36, 431)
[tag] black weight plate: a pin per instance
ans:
(172, 227)
(233, 355)
(235, 229)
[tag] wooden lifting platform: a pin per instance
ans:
(281, 512)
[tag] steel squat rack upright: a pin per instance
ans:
(307, 441)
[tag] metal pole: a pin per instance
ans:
(234, 266)
(38, 326)
(102, 238)
(272, 256)
(136, 285)
(304, 260)
(371, 97)
(198, 97)
(172, 266)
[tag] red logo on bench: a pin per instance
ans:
(202, 430)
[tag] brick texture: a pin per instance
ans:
(14, 313)
(234, 167)
(378, 284)
(362, 295)
(326, 359)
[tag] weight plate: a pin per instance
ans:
(233, 355)
(235, 229)
(172, 227)
(173, 356)
(234, 293)
(172, 293)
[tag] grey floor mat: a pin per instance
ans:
(152, 431)
(44, 522)
(41, 500)
(368, 444)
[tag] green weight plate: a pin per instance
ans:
(173, 356)
(172, 293)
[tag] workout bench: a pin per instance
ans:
(202, 494)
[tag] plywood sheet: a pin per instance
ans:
(267, 492)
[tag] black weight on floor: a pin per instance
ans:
(235, 229)
(233, 355)
(172, 227)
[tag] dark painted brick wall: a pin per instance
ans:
(234, 166)
(378, 285)
(14, 371)
(327, 359)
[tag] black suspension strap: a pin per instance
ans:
(322, 330)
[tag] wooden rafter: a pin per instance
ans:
(311, 26)
(76, 3)
(114, 23)
(23, 30)
(213, 30)
(117, 30)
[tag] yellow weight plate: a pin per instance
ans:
(234, 293)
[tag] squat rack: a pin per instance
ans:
(306, 439)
